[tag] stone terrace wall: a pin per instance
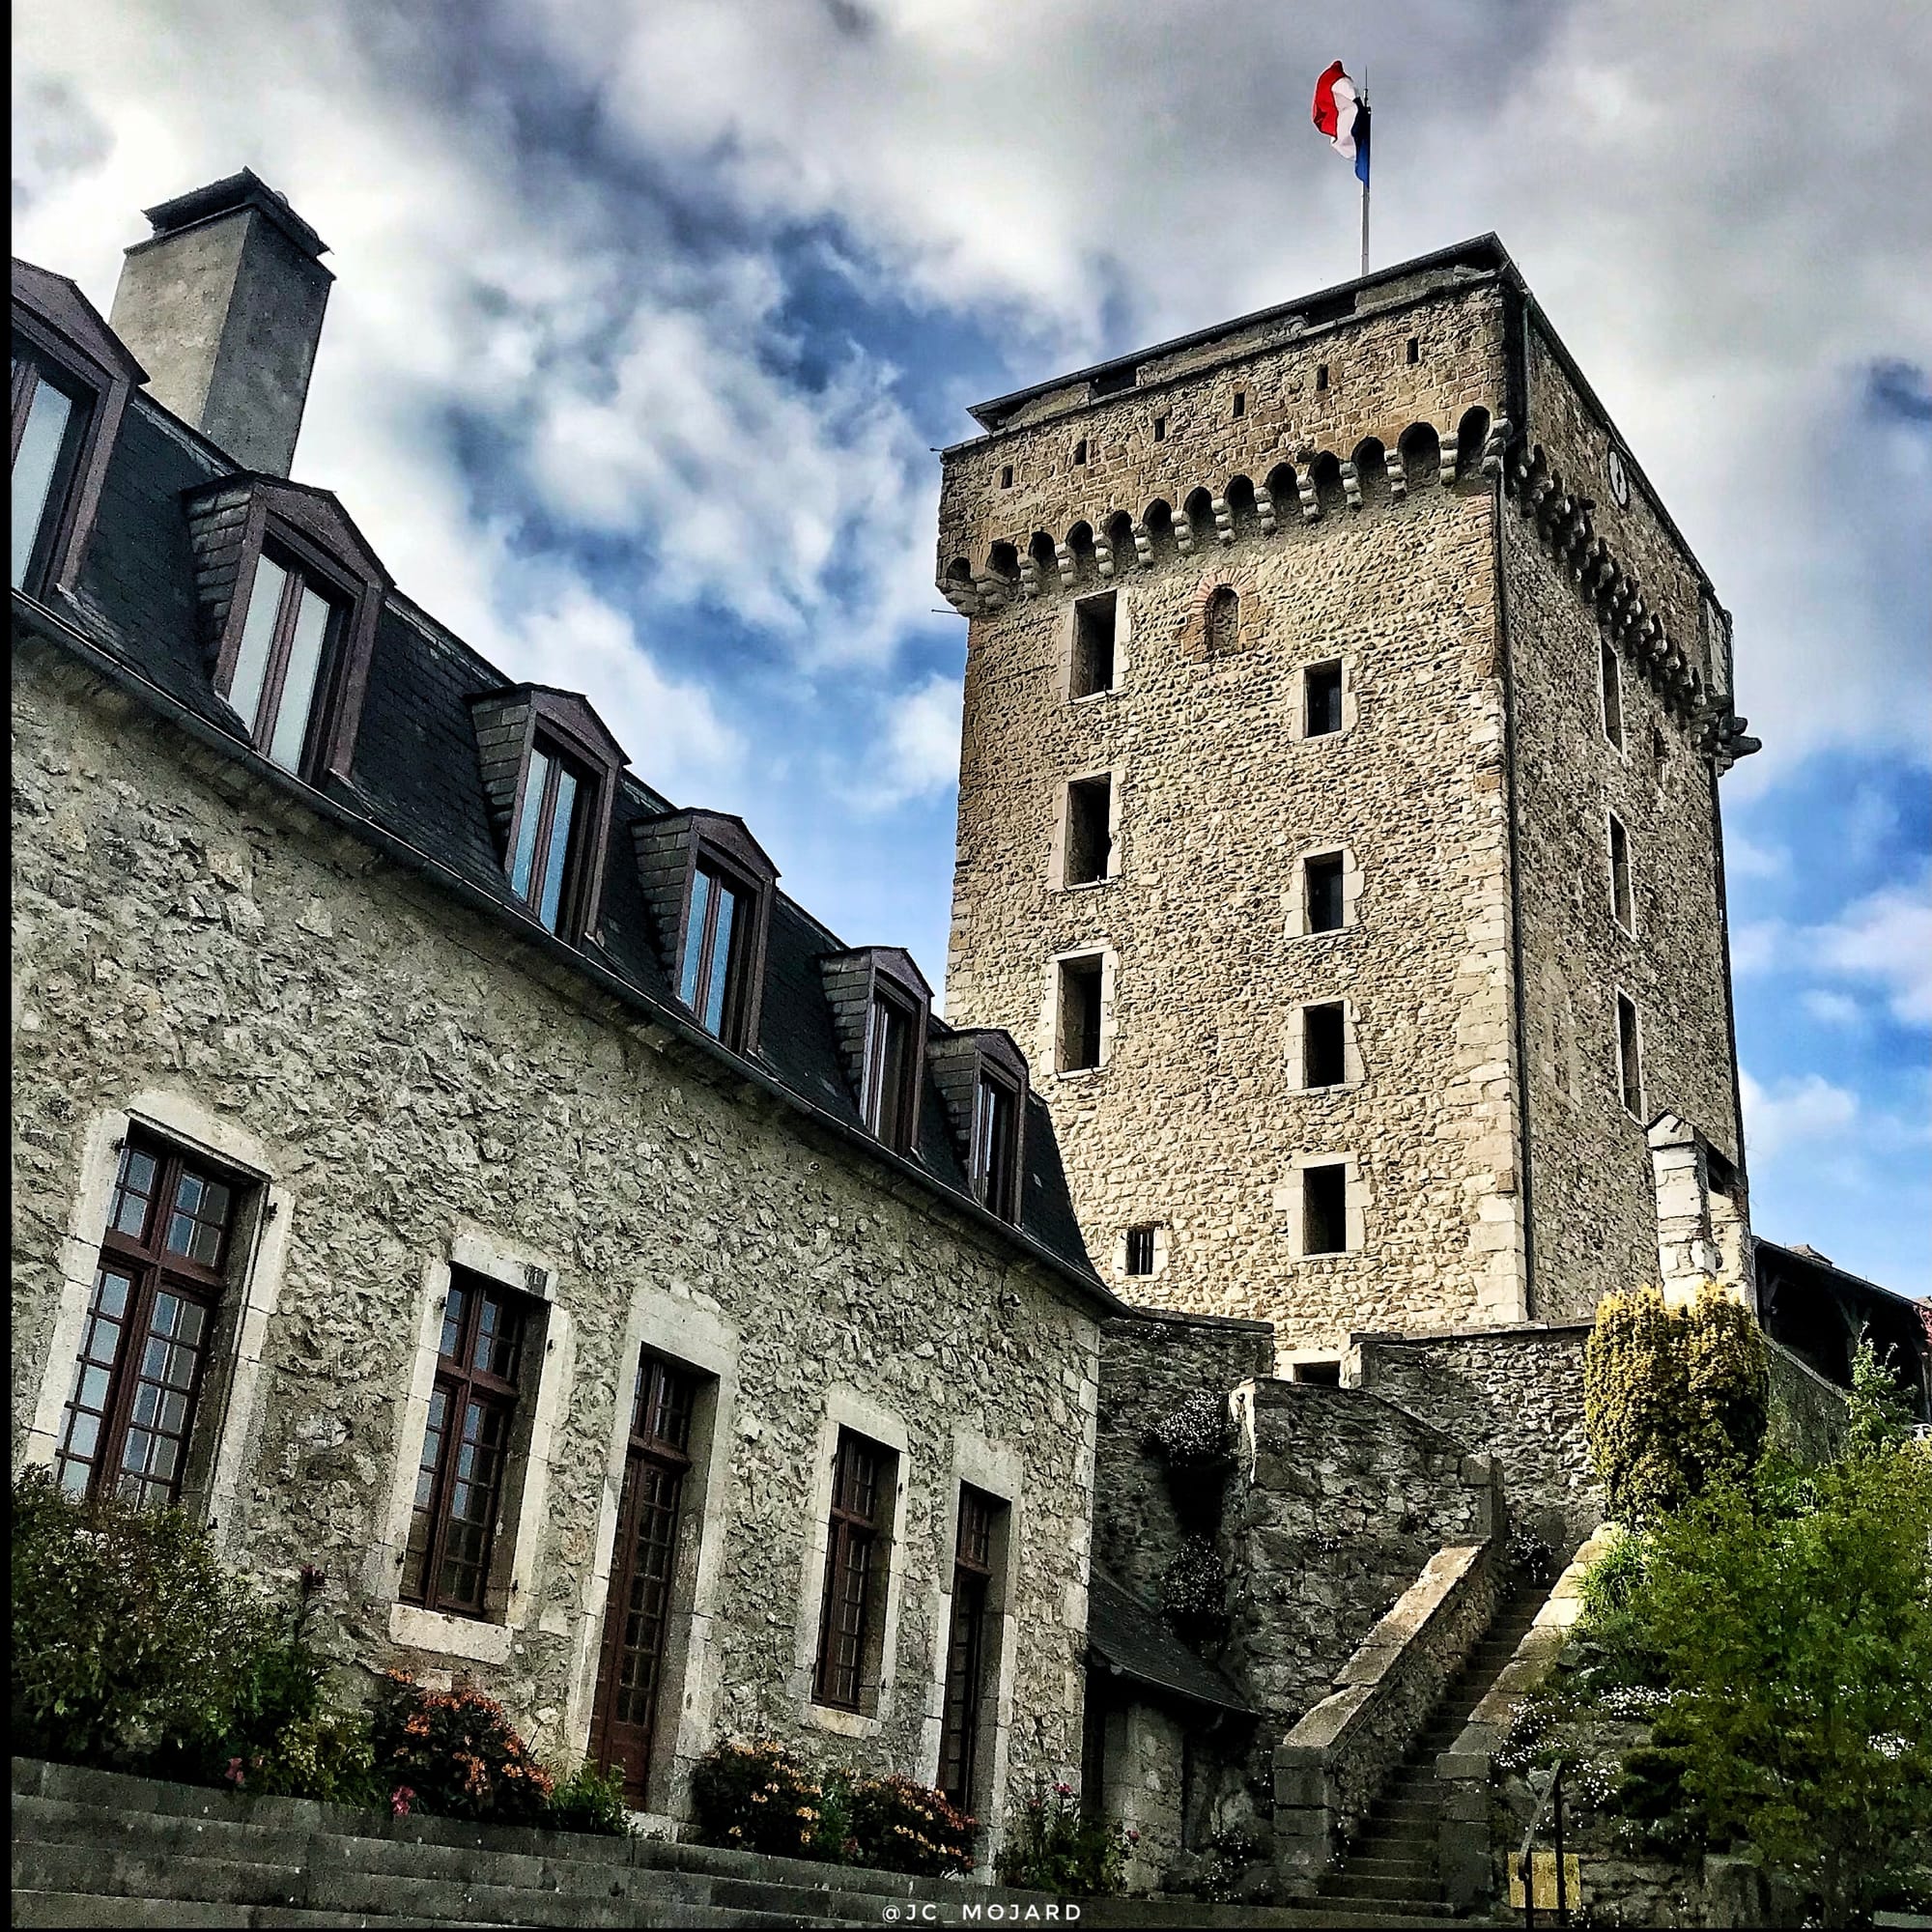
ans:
(1807, 1413)
(411, 1075)
(1517, 1393)
(1150, 1366)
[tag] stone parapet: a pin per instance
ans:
(1332, 1766)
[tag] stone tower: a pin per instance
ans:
(1338, 816)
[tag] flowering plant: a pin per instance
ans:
(1051, 1847)
(455, 1751)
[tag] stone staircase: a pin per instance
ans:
(1391, 1865)
(97, 1849)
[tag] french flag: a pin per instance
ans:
(1343, 118)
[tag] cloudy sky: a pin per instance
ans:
(650, 316)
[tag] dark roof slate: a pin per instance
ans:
(416, 776)
(1126, 1638)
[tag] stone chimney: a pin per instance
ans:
(223, 307)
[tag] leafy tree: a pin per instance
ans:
(1676, 1400)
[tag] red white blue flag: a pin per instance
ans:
(1344, 118)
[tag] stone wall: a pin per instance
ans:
(1807, 1413)
(415, 1086)
(1340, 1501)
(1594, 1203)
(1150, 1367)
(1517, 1393)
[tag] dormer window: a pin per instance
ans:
(71, 379)
(709, 887)
(550, 777)
(711, 978)
(880, 1004)
(891, 1069)
(290, 596)
(995, 1164)
(290, 638)
(548, 862)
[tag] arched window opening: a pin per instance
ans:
(1421, 455)
(1223, 621)
(1372, 471)
(1471, 433)
(1160, 522)
(1080, 541)
(1239, 496)
(1327, 471)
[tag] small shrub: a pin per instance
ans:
(1195, 1436)
(134, 1648)
(327, 1754)
(759, 1797)
(1193, 1589)
(1050, 1847)
(898, 1826)
(456, 1752)
(1676, 1400)
(590, 1799)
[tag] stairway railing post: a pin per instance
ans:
(1562, 1893)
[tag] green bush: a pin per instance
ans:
(134, 1648)
(590, 1799)
(1050, 1847)
(760, 1797)
(1676, 1400)
(895, 1824)
(1789, 1656)
(454, 1752)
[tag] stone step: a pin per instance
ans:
(1385, 1861)
(1392, 1891)
(75, 1910)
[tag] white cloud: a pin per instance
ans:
(1887, 937)
(1745, 858)
(1834, 1010)
(918, 747)
(1757, 946)
(1806, 1112)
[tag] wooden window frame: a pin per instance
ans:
(153, 1269)
(855, 1538)
(464, 1385)
(582, 848)
(58, 327)
(304, 572)
(745, 970)
(972, 1620)
(1141, 1245)
(995, 1171)
(898, 1128)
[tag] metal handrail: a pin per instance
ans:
(1552, 1796)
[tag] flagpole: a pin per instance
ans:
(1365, 185)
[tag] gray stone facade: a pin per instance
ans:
(415, 1087)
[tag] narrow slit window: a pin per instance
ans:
(129, 1419)
(1006, 477)
(1324, 877)
(1223, 621)
(1095, 632)
(892, 1072)
(852, 1608)
(1160, 428)
(464, 1471)
(1613, 696)
(1621, 909)
(1323, 1057)
(1079, 1030)
(1629, 1060)
(1080, 451)
(711, 977)
(1321, 375)
(284, 668)
(1088, 836)
(1325, 1209)
(1414, 351)
(1322, 687)
(996, 1146)
(1241, 402)
(1139, 1250)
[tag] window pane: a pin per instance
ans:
(556, 860)
(251, 662)
(717, 973)
(298, 700)
(694, 939)
(48, 414)
(526, 830)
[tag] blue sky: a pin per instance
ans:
(649, 320)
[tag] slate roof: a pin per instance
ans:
(1127, 1639)
(415, 777)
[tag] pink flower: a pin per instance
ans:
(311, 1579)
(1062, 1791)
(399, 1800)
(1133, 1838)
